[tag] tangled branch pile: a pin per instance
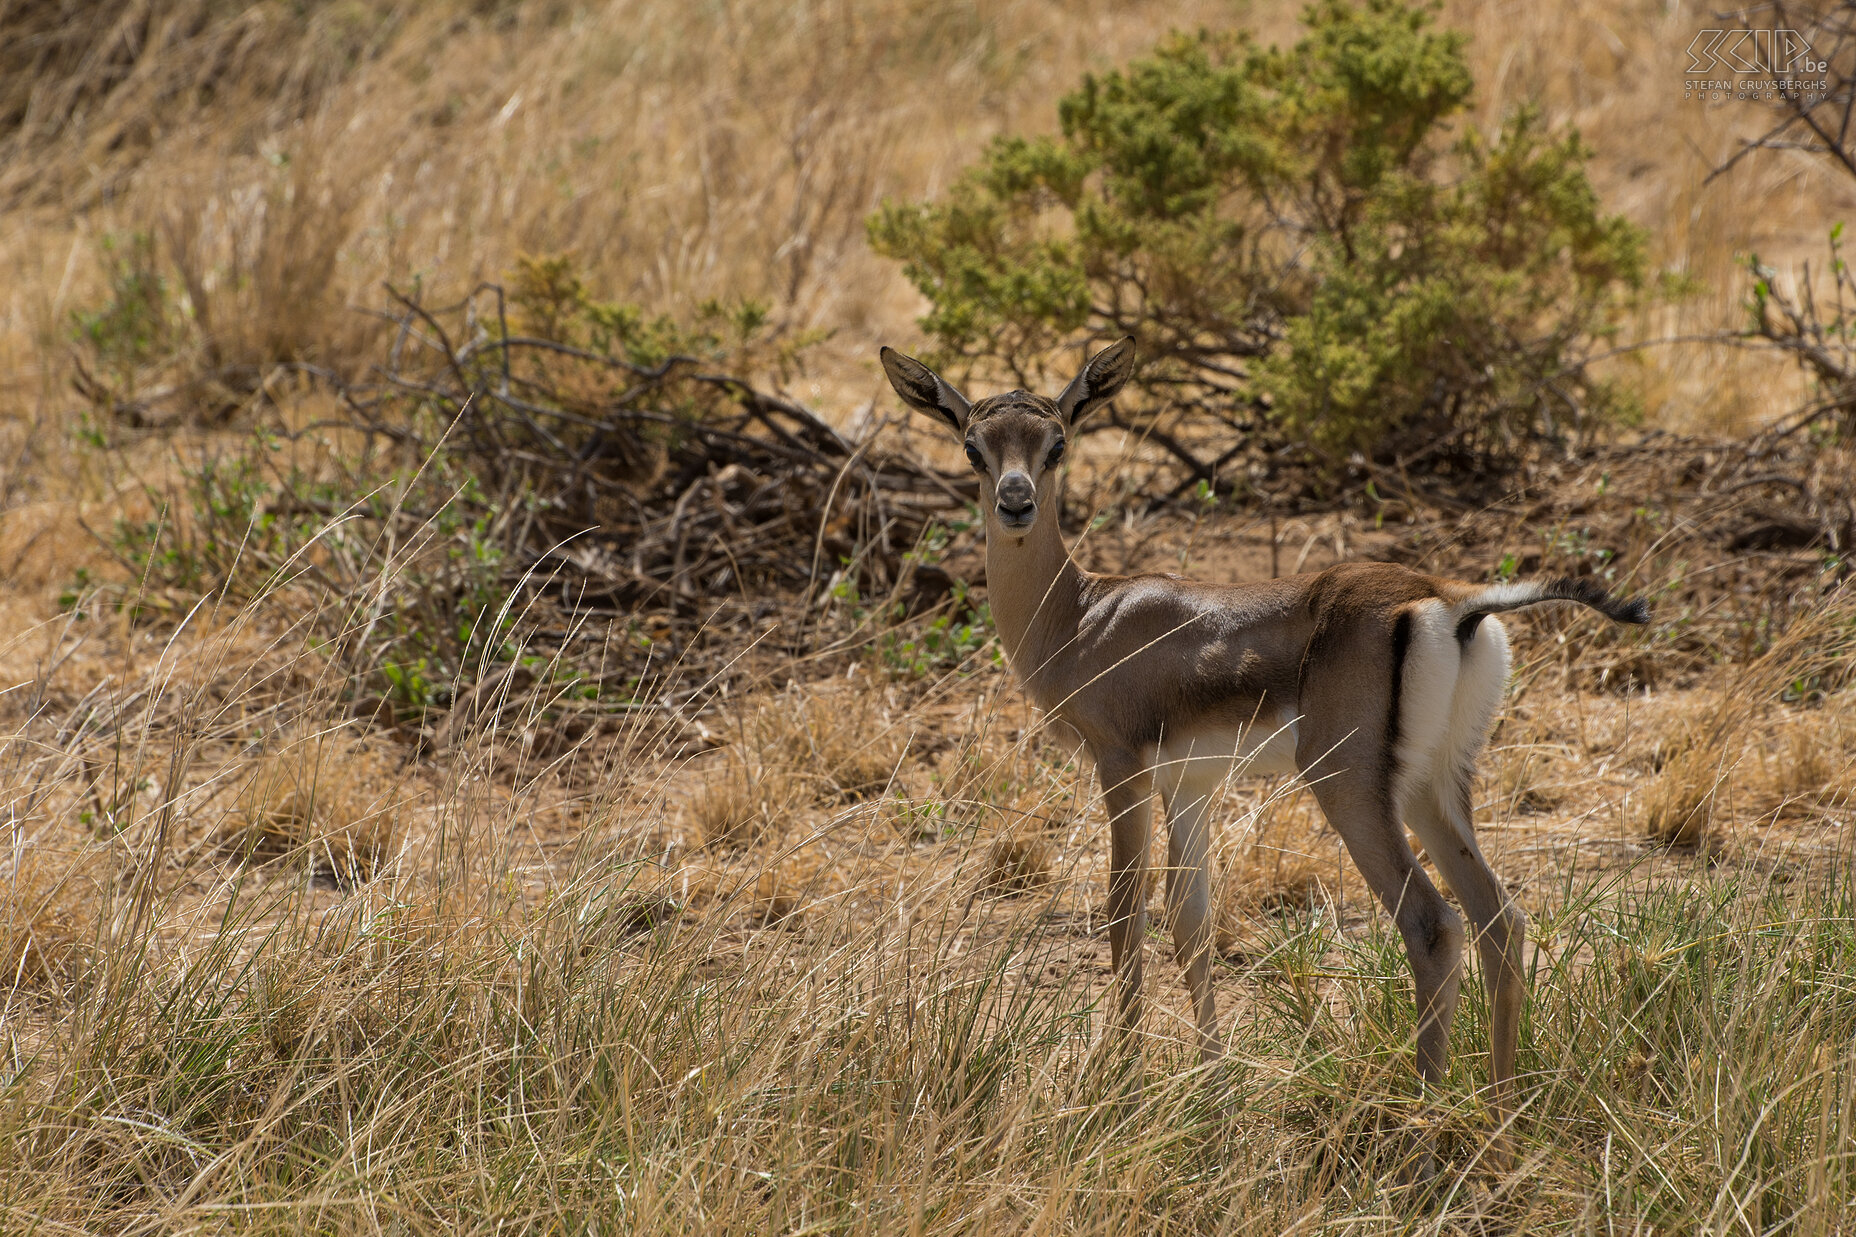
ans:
(647, 470)
(548, 494)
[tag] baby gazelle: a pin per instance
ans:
(1376, 682)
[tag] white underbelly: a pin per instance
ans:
(1265, 748)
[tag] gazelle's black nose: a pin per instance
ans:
(1018, 500)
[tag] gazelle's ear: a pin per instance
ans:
(1099, 380)
(925, 391)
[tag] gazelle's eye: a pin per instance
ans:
(1056, 453)
(975, 458)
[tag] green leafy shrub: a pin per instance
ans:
(1299, 245)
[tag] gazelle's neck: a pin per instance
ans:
(1036, 595)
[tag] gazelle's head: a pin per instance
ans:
(1014, 440)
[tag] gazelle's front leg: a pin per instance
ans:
(1189, 902)
(1127, 787)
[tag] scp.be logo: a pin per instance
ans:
(1751, 51)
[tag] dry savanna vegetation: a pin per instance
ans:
(500, 725)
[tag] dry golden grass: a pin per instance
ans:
(1017, 864)
(768, 993)
(779, 898)
(50, 891)
(846, 741)
(1277, 856)
(1811, 767)
(1678, 808)
(548, 999)
(997, 777)
(1739, 752)
(794, 753)
(1527, 768)
(744, 804)
(337, 810)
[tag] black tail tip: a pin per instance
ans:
(1636, 610)
(1588, 592)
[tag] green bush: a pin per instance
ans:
(1301, 247)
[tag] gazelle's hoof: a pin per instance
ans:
(1499, 1159)
(1417, 1168)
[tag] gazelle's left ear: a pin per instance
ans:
(1099, 380)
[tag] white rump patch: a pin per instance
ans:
(1447, 700)
(1426, 694)
(1480, 682)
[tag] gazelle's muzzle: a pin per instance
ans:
(1018, 500)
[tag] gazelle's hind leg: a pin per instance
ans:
(1439, 812)
(1441, 817)
(1358, 745)
(1360, 808)
(1358, 805)
(1188, 793)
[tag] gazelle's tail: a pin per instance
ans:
(1469, 609)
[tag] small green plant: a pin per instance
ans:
(553, 302)
(1814, 324)
(239, 525)
(203, 529)
(410, 684)
(72, 599)
(951, 641)
(143, 322)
